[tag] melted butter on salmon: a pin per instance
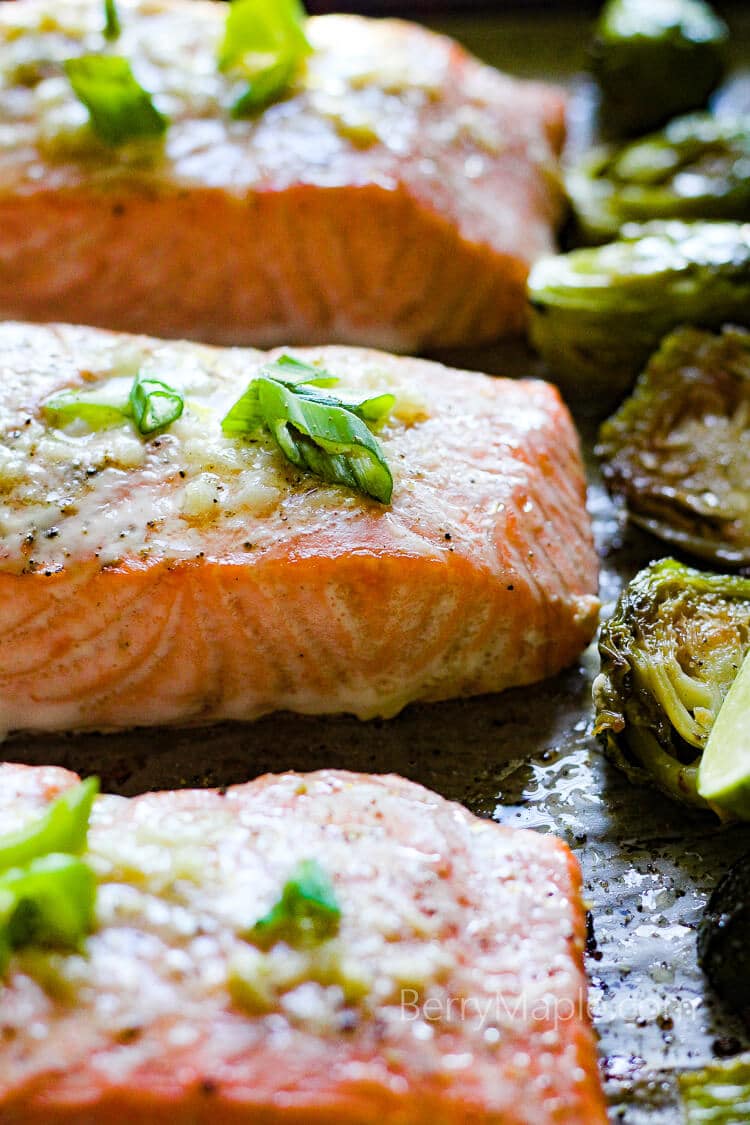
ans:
(453, 991)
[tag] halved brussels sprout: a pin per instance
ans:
(678, 450)
(654, 59)
(696, 168)
(669, 655)
(598, 313)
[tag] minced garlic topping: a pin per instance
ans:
(177, 887)
(457, 957)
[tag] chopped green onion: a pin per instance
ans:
(50, 901)
(46, 893)
(245, 416)
(289, 365)
(154, 404)
(69, 406)
(263, 88)
(62, 828)
(264, 42)
(307, 912)
(119, 108)
(112, 26)
(316, 431)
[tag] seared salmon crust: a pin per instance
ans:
(191, 577)
(453, 993)
(395, 197)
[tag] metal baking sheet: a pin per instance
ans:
(526, 757)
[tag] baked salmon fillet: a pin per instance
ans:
(192, 576)
(394, 197)
(446, 990)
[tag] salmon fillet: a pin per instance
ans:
(453, 993)
(191, 577)
(395, 198)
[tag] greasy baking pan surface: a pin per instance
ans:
(526, 757)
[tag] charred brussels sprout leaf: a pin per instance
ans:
(724, 941)
(669, 655)
(654, 59)
(597, 314)
(678, 450)
(697, 168)
(718, 1095)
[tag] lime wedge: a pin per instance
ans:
(724, 773)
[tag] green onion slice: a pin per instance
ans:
(245, 416)
(62, 828)
(307, 912)
(112, 25)
(151, 403)
(263, 88)
(119, 108)
(154, 404)
(49, 902)
(88, 406)
(316, 431)
(264, 42)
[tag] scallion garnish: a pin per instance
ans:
(119, 108)
(264, 43)
(306, 913)
(47, 893)
(314, 430)
(112, 26)
(69, 406)
(62, 828)
(50, 901)
(154, 404)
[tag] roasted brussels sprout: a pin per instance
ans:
(654, 59)
(678, 450)
(719, 1094)
(669, 655)
(724, 939)
(696, 168)
(598, 313)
